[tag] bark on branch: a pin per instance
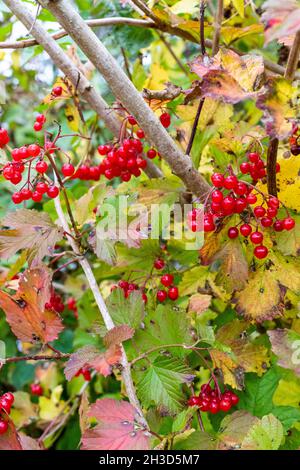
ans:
(127, 94)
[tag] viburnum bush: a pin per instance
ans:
(116, 333)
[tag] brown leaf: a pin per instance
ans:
(117, 335)
(232, 374)
(10, 439)
(233, 272)
(25, 311)
(234, 428)
(117, 429)
(199, 303)
(83, 410)
(29, 230)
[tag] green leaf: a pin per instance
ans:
(266, 435)
(128, 311)
(161, 384)
(258, 394)
(287, 415)
(197, 441)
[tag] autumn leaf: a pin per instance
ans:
(233, 266)
(29, 230)
(267, 434)
(102, 362)
(67, 91)
(234, 428)
(277, 103)
(25, 311)
(282, 20)
(10, 439)
(117, 427)
(232, 374)
(286, 345)
(199, 303)
(228, 76)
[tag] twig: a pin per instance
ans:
(289, 75)
(201, 20)
(163, 348)
(126, 63)
(217, 25)
(38, 357)
(195, 125)
(170, 49)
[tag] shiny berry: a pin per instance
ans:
(259, 211)
(37, 126)
(17, 198)
(41, 167)
(214, 406)
(225, 404)
(140, 133)
(9, 397)
(260, 251)
(41, 187)
(245, 168)
(36, 389)
(278, 226)
(52, 192)
(256, 237)
(230, 182)
(241, 189)
(273, 202)
(194, 401)
(233, 232)
(151, 153)
(288, 223)
(234, 398)
(167, 280)
(33, 150)
(217, 180)
(3, 426)
(161, 295)
(41, 118)
(132, 120)
(217, 196)
(57, 91)
(245, 230)
(173, 293)
(266, 221)
(251, 198)
(26, 194)
(67, 169)
(159, 263)
(36, 196)
(165, 119)
(5, 405)
(253, 157)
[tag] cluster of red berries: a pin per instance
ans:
(233, 196)
(6, 402)
(129, 287)
(55, 303)
(71, 304)
(122, 160)
(295, 140)
(39, 122)
(36, 389)
(255, 167)
(84, 172)
(213, 401)
(172, 292)
(4, 138)
(85, 372)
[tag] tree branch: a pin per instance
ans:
(289, 75)
(173, 30)
(37, 357)
(217, 25)
(127, 94)
(65, 64)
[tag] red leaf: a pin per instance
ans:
(25, 311)
(10, 440)
(117, 429)
(118, 334)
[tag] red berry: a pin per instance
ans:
(165, 120)
(288, 223)
(167, 280)
(214, 406)
(228, 204)
(41, 187)
(256, 237)
(273, 202)
(36, 196)
(103, 149)
(125, 176)
(251, 198)
(240, 205)
(5, 405)
(194, 401)
(217, 196)
(173, 293)
(132, 120)
(33, 150)
(57, 91)
(245, 168)
(36, 389)
(16, 177)
(159, 263)
(123, 284)
(259, 211)
(266, 221)
(140, 133)
(17, 198)
(253, 157)
(3, 426)
(272, 212)
(9, 397)
(277, 167)
(86, 374)
(241, 189)
(67, 169)
(278, 225)
(161, 295)
(260, 251)
(217, 180)
(23, 152)
(15, 154)
(41, 118)
(205, 404)
(151, 153)
(26, 194)
(144, 298)
(41, 167)
(245, 230)
(230, 182)
(52, 191)
(8, 171)
(233, 232)
(38, 126)
(208, 225)
(4, 137)
(234, 398)
(225, 404)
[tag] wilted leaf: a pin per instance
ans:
(234, 428)
(199, 303)
(30, 230)
(193, 279)
(73, 116)
(277, 103)
(10, 439)
(233, 272)
(117, 335)
(28, 443)
(232, 374)
(83, 410)
(286, 345)
(25, 311)
(116, 429)
(265, 435)
(228, 76)
(282, 20)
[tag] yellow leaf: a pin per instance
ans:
(67, 91)
(239, 6)
(232, 33)
(185, 6)
(233, 272)
(53, 406)
(230, 370)
(287, 393)
(24, 411)
(73, 116)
